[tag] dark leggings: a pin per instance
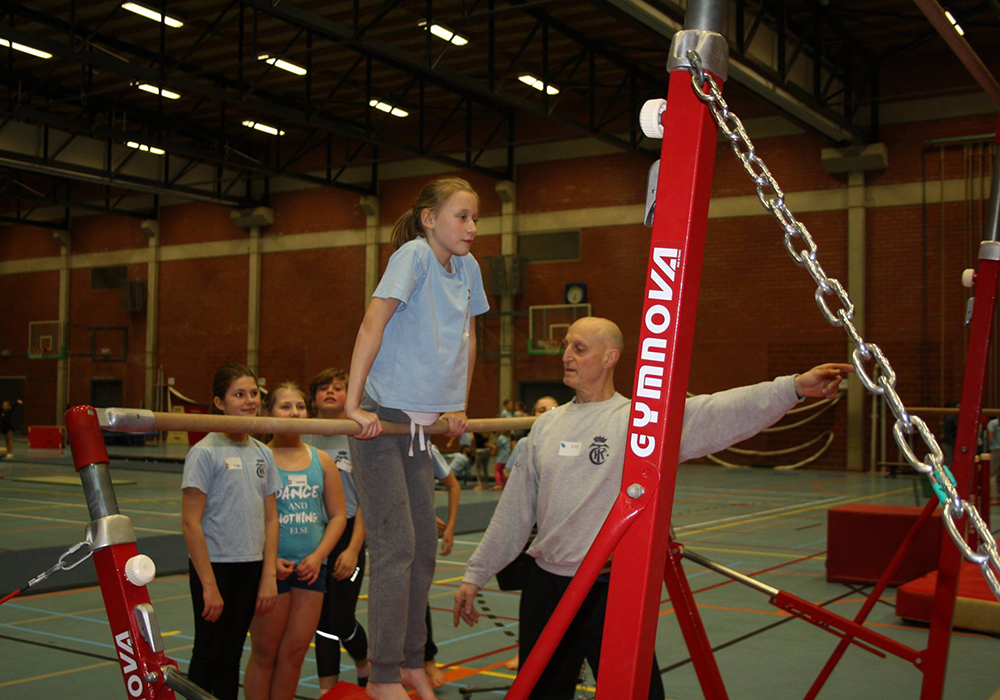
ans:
(218, 646)
(431, 650)
(337, 618)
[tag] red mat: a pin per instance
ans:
(975, 608)
(862, 539)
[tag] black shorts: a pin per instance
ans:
(293, 581)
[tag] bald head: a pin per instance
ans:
(593, 348)
(601, 330)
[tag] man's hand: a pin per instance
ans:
(822, 381)
(465, 604)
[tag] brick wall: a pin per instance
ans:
(756, 313)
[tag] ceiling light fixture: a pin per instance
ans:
(388, 108)
(171, 22)
(282, 64)
(169, 94)
(538, 84)
(25, 49)
(266, 128)
(956, 25)
(145, 149)
(445, 34)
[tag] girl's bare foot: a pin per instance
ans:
(511, 664)
(386, 691)
(434, 674)
(417, 679)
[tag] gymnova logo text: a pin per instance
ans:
(653, 355)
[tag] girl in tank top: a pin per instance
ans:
(312, 517)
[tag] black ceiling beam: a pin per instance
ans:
(99, 176)
(443, 77)
(225, 90)
(765, 71)
(20, 221)
(73, 204)
(206, 155)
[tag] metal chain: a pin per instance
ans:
(772, 198)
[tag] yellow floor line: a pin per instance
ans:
(171, 633)
(510, 676)
(54, 674)
(789, 556)
(825, 506)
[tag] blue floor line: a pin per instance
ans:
(103, 645)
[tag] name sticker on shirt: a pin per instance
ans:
(298, 480)
(569, 449)
(344, 465)
(234, 463)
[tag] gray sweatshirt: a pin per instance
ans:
(570, 472)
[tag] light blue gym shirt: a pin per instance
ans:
(236, 478)
(503, 449)
(441, 470)
(423, 363)
(337, 447)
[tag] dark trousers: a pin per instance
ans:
(218, 646)
(582, 640)
(337, 617)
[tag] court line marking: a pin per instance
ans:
(76, 504)
(821, 505)
(54, 674)
(84, 524)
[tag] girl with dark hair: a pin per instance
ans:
(412, 361)
(345, 568)
(230, 523)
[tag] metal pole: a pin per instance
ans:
(123, 573)
(660, 383)
(704, 14)
(968, 425)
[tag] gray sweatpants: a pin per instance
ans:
(396, 493)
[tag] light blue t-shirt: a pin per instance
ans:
(301, 510)
(337, 447)
(994, 428)
(423, 362)
(459, 463)
(441, 470)
(236, 477)
(503, 449)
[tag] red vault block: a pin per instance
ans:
(862, 539)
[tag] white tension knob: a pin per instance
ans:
(967, 278)
(650, 116)
(140, 570)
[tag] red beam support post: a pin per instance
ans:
(965, 445)
(134, 629)
(659, 393)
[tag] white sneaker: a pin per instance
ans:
(10, 456)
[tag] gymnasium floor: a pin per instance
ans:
(57, 644)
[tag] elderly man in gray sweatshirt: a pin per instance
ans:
(568, 477)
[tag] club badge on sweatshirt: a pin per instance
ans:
(569, 449)
(599, 450)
